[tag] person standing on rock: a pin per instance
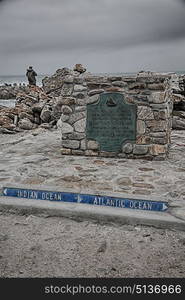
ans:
(31, 74)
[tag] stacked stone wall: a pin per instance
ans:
(151, 93)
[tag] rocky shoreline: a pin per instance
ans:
(43, 106)
(10, 91)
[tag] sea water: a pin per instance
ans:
(11, 79)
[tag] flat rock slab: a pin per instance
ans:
(34, 158)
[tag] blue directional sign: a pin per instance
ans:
(86, 198)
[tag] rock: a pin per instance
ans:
(178, 123)
(69, 79)
(140, 149)
(67, 90)
(141, 128)
(161, 141)
(161, 115)
(146, 234)
(145, 112)
(25, 124)
(143, 185)
(146, 169)
(159, 134)
(180, 114)
(79, 95)
(92, 145)
(5, 120)
(64, 118)
(80, 102)
(157, 149)
(137, 85)
(3, 237)
(94, 92)
(157, 97)
(46, 114)
(24, 115)
(127, 148)
(125, 181)
(80, 108)
(93, 85)
(78, 80)
(65, 101)
(102, 248)
(6, 131)
(143, 139)
(65, 151)
(37, 108)
(83, 144)
(156, 125)
(178, 98)
(114, 78)
(179, 106)
(79, 88)
(76, 117)
(45, 125)
(80, 125)
(79, 68)
(76, 136)
(72, 144)
(90, 153)
(156, 86)
(119, 83)
(114, 89)
(66, 110)
(92, 99)
(77, 152)
(66, 128)
(105, 85)
(37, 119)
(59, 123)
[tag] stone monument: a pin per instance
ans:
(117, 116)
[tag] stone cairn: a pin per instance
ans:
(150, 92)
(37, 106)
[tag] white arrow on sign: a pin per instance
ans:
(5, 192)
(164, 206)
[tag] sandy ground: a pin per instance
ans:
(38, 246)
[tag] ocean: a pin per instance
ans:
(11, 79)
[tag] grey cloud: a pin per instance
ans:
(68, 27)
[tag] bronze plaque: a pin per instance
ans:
(111, 121)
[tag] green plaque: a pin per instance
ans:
(111, 121)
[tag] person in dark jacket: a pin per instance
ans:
(31, 74)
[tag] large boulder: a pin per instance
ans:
(46, 114)
(25, 124)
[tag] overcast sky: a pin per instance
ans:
(103, 35)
